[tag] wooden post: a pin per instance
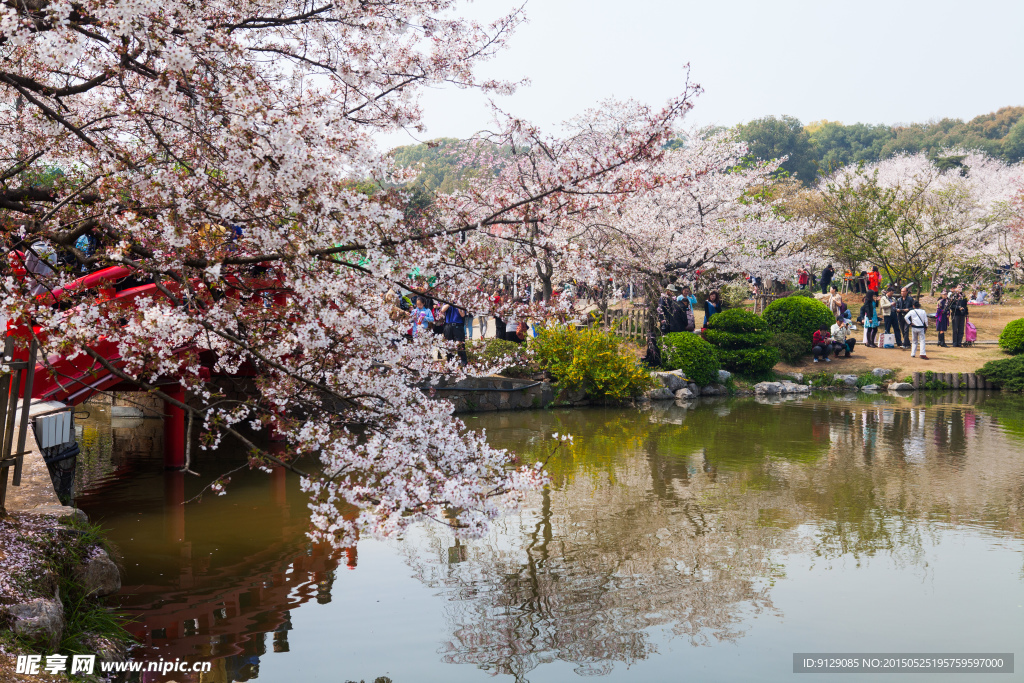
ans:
(917, 381)
(174, 429)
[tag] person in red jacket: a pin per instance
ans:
(874, 280)
(821, 340)
(803, 277)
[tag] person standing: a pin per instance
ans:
(499, 323)
(826, 278)
(869, 316)
(942, 317)
(901, 307)
(455, 330)
(422, 317)
(711, 307)
(803, 278)
(958, 314)
(892, 325)
(917, 321)
(874, 280)
(688, 295)
(666, 309)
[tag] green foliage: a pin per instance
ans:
(590, 360)
(825, 146)
(737, 320)
(798, 315)
(1007, 373)
(803, 292)
(492, 351)
(688, 352)
(732, 340)
(791, 347)
(1011, 339)
(749, 362)
(774, 138)
(741, 341)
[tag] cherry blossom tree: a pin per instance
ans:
(221, 151)
(917, 219)
(710, 212)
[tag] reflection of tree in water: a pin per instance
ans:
(609, 553)
(676, 519)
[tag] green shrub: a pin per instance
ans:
(737, 321)
(731, 340)
(802, 292)
(1007, 373)
(688, 352)
(792, 347)
(491, 351)
(798, 315)
(590, 360)
(749, 362)
(1011, 339)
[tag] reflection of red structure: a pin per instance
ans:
(223, 614)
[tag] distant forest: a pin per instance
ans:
(813, 149)
(823, 146)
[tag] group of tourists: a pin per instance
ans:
(677, 306)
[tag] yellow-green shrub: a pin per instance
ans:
(590, 360)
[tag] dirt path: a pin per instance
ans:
(989, 320)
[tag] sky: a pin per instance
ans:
(866, 61)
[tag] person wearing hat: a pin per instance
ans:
(666, 308)
(842, 340)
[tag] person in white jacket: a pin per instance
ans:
(917, 321)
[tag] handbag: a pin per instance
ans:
(889, 341)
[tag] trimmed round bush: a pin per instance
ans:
(1011, 339)
(791, 346)
(749, 362)
(737, 329)
(798, 315)
(738, 321)
(686, 351)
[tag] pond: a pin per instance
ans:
(708, 542)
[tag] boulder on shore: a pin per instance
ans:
(848, 380)
(660, 394)
(39, 620)
(901, 386)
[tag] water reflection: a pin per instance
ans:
(217, 580)
(679, 519)
(672, 526)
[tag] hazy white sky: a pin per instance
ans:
(870, 61)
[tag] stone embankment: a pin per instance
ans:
(485, 394)
(37, 532)
(675, 386)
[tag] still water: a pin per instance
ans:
(701, 543)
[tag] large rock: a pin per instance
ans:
(881, 372)
(848, 380)
(99, 575)
(901, 386)
(791, 388)
(724, 375)
(714, 390)
(797, 377)
(40, 621)
(768, 388)
(694, 389)
(673, 381)
(684, 394)
(870, 388)
(660, 394)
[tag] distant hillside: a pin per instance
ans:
(825, 145)
(446, 164)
